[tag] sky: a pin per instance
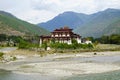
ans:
(37, 11)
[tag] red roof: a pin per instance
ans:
(63, 29)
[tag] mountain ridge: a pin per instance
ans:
(97, 25)
(11, 25)
(64, 18)
(94, 25)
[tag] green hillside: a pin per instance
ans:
(93, 25)
(69, 18)
(101, 23)
(11, 25)
(113, 28)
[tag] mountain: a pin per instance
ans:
(11, 25)
(101, 23)
(6, 14)
(69, 18)
(113, 28)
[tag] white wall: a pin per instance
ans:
(87, 42)
(79, 40)
(40, 43)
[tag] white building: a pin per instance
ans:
(62, 35)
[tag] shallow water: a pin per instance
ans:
(106, 59)
(115, 75)
(6, 75)
(102, 59)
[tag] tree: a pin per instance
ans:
(44, 45)
(115, 39)
(23, 44)
(3, 37)
(53, 41)
(90, 46)
(74, 41)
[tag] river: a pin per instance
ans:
(114, 75)
(8, 75)
(5, 75)
(53, 64)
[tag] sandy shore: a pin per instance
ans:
(66, 68)
(62, 64)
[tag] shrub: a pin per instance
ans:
(1, 55)
(45, 45)
(13, 58)
(26, 45)
(90, 46)
(71, 46)
(23, 44)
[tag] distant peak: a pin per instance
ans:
(111, 9)
(68, 12)
(73, 13)
(6, 13)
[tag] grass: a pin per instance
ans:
(98, 48)
(107, 47)
(42, 52)
(18, 25)
(21, 52)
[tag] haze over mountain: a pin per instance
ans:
(70, 19)
(11, 25)
(101, 23)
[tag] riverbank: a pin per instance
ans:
(66, 68)
(74, 64)
(62, 65)
(59, 65)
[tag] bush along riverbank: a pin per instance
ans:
(80, 49)
(50, 48)
(4, 58)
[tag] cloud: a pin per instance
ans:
(36, 11)
(49, 5)
(102, 5)
(35, 16)
(84, 6)
(61, 6)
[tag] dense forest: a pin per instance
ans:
(21, 42)
(112, 39)
(33, 41)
